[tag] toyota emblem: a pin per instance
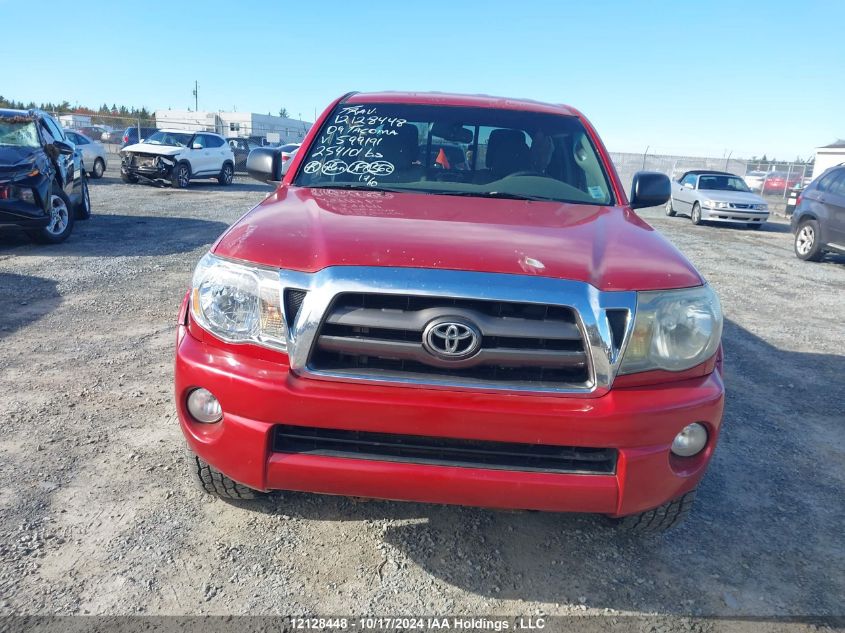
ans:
(451, 339)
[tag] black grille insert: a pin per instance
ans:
(443, 451)
(293, 302)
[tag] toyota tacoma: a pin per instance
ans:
(503, 331)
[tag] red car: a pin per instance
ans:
(777, 182)
(509, 334)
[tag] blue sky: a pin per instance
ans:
(698, 78)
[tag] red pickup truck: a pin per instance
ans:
(502, 331)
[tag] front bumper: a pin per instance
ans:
(734, 215)
(159, 171)
(23, 214)
(258, 392)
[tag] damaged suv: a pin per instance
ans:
(43, 186)
(503, 332)
(177, 156)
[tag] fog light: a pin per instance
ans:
(690, 441)
(204, 406)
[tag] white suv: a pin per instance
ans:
(178, 156)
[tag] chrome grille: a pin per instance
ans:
(522, 344)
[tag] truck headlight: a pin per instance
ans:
(238, 303)
(673, 330)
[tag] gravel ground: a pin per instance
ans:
(98, 513)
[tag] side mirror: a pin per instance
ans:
(650, 189)
(687, 185)
(197, 146)
(63, 147)
(264, 164)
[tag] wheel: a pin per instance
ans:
(181, 175)
(216, 483)
(696, 214)
(128, 178)
(83, 209)
(807, 245)
(61, 219)
(226, 174)
(670, 210)
(660, 519)
(99, 169)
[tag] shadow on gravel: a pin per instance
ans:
(25, 299)
(121, 236)
(763, 538)
(768, 227)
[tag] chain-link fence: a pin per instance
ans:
(243, 130)
(771, 180)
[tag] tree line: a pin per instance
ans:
(114, 115)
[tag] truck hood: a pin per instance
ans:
(149, 148)
(308, 229)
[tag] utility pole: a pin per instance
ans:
(196, 96)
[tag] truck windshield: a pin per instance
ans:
(18, 132)
(482, 152)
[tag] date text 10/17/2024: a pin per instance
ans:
(427, 623)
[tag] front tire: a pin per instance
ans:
(695, 216)
(807, 244)
(227, 174)
(216, 483)
(181, 176)
(670, 210)
(83, 209)
(99, 169)
(660, 519)
(128, 179)
(61, 219)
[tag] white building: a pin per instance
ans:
(73, 121)
(235, 124)
(828, 156)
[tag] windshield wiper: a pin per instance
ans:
(504, 195)
(352, 185)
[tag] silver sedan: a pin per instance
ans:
(94, 155)
(716, 196)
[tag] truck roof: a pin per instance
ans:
(452, 99)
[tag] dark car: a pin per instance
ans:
(130, 135)
(819, 218)
(43, 186)
(95, 133)
(241, 147)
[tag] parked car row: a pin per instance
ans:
(818, 220)
(775, 182)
